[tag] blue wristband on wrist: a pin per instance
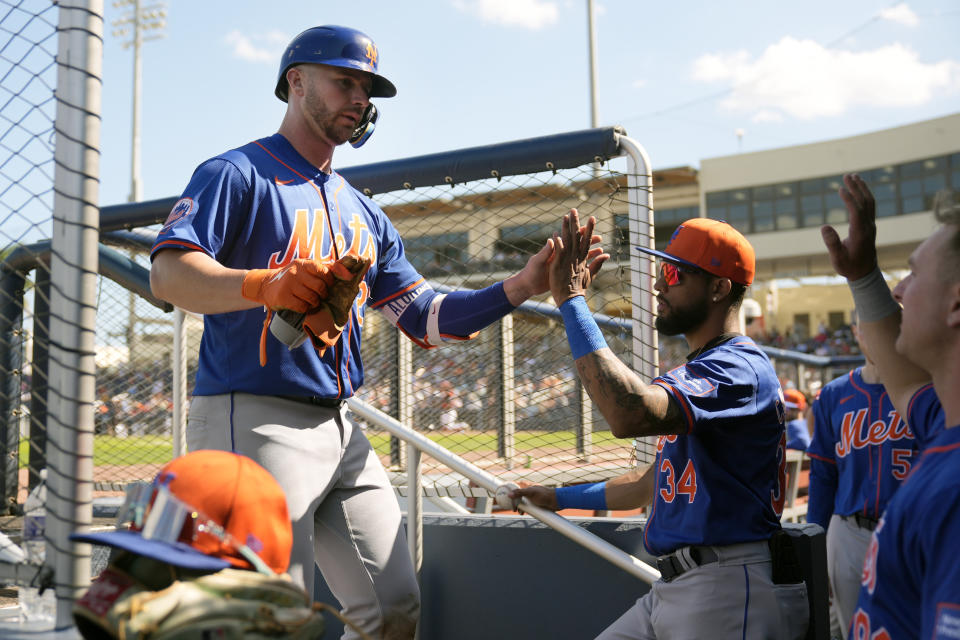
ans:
(583, 334)
(583, 496)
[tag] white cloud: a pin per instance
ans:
(639, 83)
(259, 47)
(802, 79)
(767, 115)
(527, 14)
(901, 13)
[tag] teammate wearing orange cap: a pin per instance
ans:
(798, 435)
(716, 488)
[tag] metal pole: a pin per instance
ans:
(73, 303)
(135, 194)
(11, 344)
(642, 274)
(179, 390)
(414, 506)
(592, 39)
(403, 401)
(491, 483)
(40, 373)
(584, 435)
(508, 418)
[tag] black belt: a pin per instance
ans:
(864, 522)
(317, 401)
(672, 566)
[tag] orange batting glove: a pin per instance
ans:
(298, 286)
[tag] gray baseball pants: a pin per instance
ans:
(846, 547)
(345, 515)
(732, 598)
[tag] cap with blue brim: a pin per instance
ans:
(178, 554)
(712, 246)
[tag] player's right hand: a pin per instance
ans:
(575, 262)
(856, 256)
(543, 497)
(298, 286)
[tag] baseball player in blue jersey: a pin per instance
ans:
(910, 582)
(716, 488)
(272, 225)
(862, 450)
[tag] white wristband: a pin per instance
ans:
(872, 297)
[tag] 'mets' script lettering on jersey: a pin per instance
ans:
(855, 433)
(306, 239)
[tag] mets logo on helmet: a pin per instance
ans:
(371, 54)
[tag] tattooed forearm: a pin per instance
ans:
(631, 407)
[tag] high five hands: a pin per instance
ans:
(575, 261)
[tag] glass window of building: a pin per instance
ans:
(883, 184)
(785, 207)
(518, 242)
(667, 220)
(919, 183)
(437, 253)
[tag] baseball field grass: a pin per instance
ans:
(152, 449)
(475, 441)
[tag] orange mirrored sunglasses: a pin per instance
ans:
(670, 271)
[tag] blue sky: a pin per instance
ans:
(682, 78)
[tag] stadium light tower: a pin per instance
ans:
(138, 22)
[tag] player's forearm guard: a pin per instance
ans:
(872, 297)
(583, 496)
(583, 334)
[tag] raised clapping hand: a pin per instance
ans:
(575, 262)
(856, 256)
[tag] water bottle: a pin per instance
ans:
(35, 608)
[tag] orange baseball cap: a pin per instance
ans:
(226, 489)
(794, 399)
(712, 246)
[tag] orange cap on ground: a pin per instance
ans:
(240, 496)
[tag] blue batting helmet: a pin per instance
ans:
(337, 47)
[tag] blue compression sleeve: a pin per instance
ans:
(583, 334)
(583, 496)
(465, 312)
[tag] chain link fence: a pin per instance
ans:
(471, 236)
(28, 44)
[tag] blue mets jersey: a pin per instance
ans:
(722, 481)
(910, 587)
(798, 437)
(261, 206)
(862, 450)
